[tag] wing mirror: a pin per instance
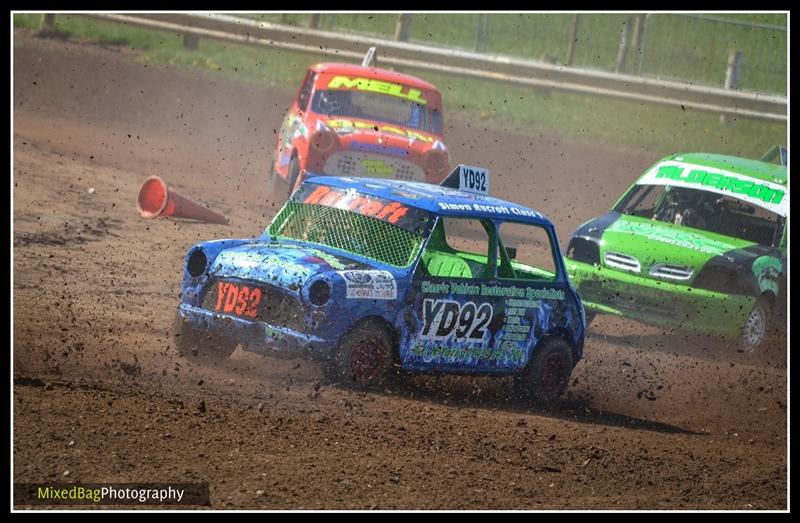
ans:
(511, 252)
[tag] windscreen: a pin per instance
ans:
(376, 228)
(703, 210)
(378, 107)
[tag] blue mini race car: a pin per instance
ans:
(371, 277)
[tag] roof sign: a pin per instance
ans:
(469, 179)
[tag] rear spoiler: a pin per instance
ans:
(777, 152)
(469, 179)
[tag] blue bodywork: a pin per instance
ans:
(509, 317)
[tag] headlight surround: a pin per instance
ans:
(324, 140)
(319, 293)
(583, 250)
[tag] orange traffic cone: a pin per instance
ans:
(156, 199)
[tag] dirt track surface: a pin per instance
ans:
(652, 420)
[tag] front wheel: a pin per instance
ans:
(294, 176)
(547, 375)
(364, 358)
(201, 346)
(756, 327)
(274, 183)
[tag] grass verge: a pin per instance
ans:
(662, 130)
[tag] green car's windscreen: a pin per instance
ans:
(703, 210)
(376, 228)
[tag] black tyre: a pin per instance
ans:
(590, 316)
(756, 328)
(547, 375)
(365, 357)
(199, 345)
(294, 173)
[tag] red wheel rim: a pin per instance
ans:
(366, 361)
(552, 372)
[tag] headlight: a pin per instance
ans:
(197, 263)
(583, 250)
(324, 140)
(319, 293)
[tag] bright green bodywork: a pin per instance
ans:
(609, 290)
(632, 291)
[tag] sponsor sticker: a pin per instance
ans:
(688, 240)
(461, 354)
(445, 319)
(376, 167)
(411, 219)
(494, 291)
(768, 271)
(378, 149)
(341, 125)
(362, 204)
(770, 196)
(372, 285)
(377, 86)
(237, 299)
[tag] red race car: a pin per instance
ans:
(351, 120)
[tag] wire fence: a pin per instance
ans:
(698, 48)
(688, 47)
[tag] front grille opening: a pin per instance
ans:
(671, 272)
(622, 262)
(348, 163)
(275, 307)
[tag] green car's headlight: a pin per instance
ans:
(583, 250)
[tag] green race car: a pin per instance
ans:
(698, 242)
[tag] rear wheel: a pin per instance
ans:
(590, 316)
(756, 327)
(365, 357)
(547, 376)
(200, 345)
